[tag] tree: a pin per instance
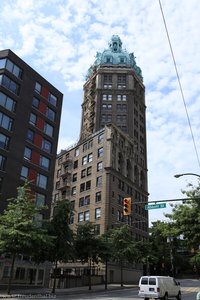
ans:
(123, 247)
(62, 248)
(87, 246)
(186, 217)
(105, 253)
(19, 229)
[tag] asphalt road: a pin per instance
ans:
(189, 288)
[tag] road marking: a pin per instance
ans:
(186, 290)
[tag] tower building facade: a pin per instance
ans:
(109, 162)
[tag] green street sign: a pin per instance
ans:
(153, 206)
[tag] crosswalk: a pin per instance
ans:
(186, 290)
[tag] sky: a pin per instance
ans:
(60, 38)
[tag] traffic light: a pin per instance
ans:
(127, 206)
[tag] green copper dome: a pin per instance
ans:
(115, 55)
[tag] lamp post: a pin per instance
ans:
(184, 174)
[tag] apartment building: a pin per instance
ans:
(30, 110)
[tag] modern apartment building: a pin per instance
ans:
(110, 160)
(30, 110)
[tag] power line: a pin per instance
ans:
(180, 86)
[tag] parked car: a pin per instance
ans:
(159, 287)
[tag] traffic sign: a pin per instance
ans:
(153, 206)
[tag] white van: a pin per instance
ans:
(159, 287)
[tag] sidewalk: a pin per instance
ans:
(21, 293)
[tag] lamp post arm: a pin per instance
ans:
(184, 174)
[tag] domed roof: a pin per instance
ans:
(115, 55)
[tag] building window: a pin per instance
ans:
(40, 200)
(24, 172)
(52, 99)
(74, 178)
(82, 187)
(33, 119)
(107, 78)
(83, 173)
(71, 218)
(38, 87)
(100, 152)
(121, 118)
(4, 141)
(57, 185)
(98, 197)
(6, 272)
(84, 201)
(100, 138)
(84, 147)
(6, 122)
(99, 181)
(7, 102)
(46, 146)
(90, 144)
(97, 213)
(41, 181)
(90, 157)
(89, 171)
(84, 216)
(97, 229)
(106, 118)
(30, 136)
(87, 215)
(76, 153)
(11, 67)
(48, 129)
(122, 107)
(122, 60)
(75, 164)
(2, 162)
(2, 63)
(107, 106)
(44, 162)
(27, 153)
(35, 102)
(81, 217)
(50, 114)
(84, 160)
(88, 185)
(107, 97)
(121, 79)
(99, 166)
(38, 219)
(121, 98)
(74, 190)
(9, 84)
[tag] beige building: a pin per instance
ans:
(109, 162)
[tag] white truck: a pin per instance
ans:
(159, 287)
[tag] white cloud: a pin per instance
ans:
(60, 38)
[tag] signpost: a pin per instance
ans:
(154, 206)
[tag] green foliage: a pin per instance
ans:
(87, 244)
(18, 226)
(62, 248)
(123, 244)
(20, 233)
(186, 217)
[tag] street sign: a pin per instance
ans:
(153, 206)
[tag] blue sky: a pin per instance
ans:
(60, 38)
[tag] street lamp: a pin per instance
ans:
(179, 175)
